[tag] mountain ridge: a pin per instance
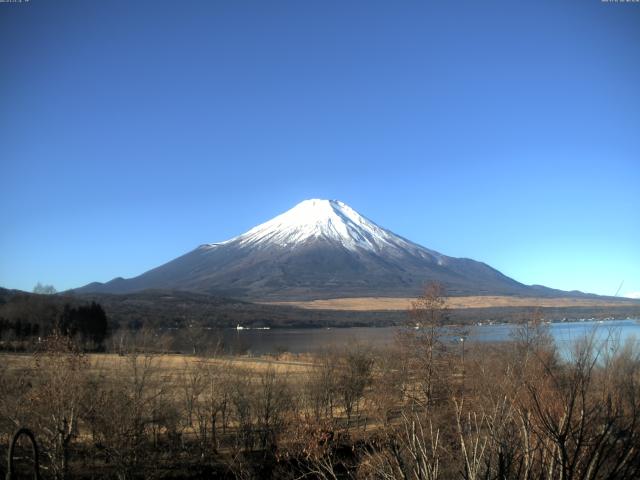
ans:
(319, 249)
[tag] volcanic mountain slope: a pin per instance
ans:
(319, 249)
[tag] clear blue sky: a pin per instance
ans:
(133, 131)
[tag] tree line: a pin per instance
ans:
(24, 319)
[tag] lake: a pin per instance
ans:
(300, 340)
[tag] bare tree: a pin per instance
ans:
(587, 417)
(193, 385)
(241, 394)
(472, 441)
(389, 378)
(128, 407)
(15, 411)
(272, 402)
(320, 387)
(410, 450)
(44, 289)
(217, 397)
(56, 398)
(196, 336)
(354, 375)
(423, 344)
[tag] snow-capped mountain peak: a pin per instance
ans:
(329, 220)
(318, 249)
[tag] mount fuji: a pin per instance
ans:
(319, 249)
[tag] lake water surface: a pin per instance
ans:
(300, 340)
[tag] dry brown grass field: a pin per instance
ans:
(392, 304)
(173, 365)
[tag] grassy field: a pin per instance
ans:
(175, 364)
(393, 304)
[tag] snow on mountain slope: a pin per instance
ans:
(329, 220)
(317, 249)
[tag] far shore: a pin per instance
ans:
(404, 303)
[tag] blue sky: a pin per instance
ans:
(133, 131)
